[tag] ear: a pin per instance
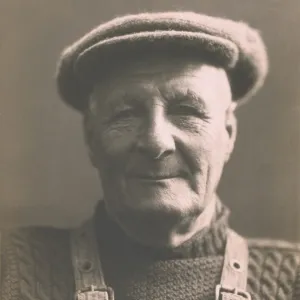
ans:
(231, 128)
(88, 136)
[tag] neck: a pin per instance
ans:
(203, 221)
(167, 233)
(209, 239)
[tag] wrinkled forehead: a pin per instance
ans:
(173, 72)
(167, 76)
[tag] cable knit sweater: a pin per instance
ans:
(36, 265)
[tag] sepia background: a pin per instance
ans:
(45, 173)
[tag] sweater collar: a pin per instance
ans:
(209, 241)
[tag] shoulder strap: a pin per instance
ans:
(235, 269)
(0, 262)
(89, 278)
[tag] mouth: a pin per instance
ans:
(155, 177)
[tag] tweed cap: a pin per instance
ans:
(234, 46)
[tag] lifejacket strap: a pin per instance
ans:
(88, 271)
(89, 277)
(0, 263)
(234, 276)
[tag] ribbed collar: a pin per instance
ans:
(208, 242)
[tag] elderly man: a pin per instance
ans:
(158, 94)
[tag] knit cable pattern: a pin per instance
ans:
(36, 265)
(296, 293)
(273, 271)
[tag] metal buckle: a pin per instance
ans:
(94, 293)
(237, 293)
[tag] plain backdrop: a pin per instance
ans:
(45, 174)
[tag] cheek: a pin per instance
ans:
(203, 151)
(113, 143)
(203, 145)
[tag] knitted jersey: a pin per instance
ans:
(36, 265)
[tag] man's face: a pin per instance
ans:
(159, 135)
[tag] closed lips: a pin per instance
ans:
(155, 176)
(151, 177)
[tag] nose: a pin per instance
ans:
(156, 140)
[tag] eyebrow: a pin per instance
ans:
(170, 97)
(189, 96)
(122, 99)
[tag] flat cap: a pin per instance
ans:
(234, 46)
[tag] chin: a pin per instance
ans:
(173, 198)
(155, 222)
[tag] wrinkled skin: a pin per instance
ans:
(159, 134)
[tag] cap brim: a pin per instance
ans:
(110, 53)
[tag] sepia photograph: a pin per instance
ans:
(150, 150)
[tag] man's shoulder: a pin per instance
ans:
(273, 260)
(35, 243)
(274, 252)
(33, 230)
(274, 268)
(33, 234)
(32, 259)
(273, 244)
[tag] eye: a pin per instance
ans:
(185, 110)
(124, 114)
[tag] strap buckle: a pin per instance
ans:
(94, 293)
(228, 293)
